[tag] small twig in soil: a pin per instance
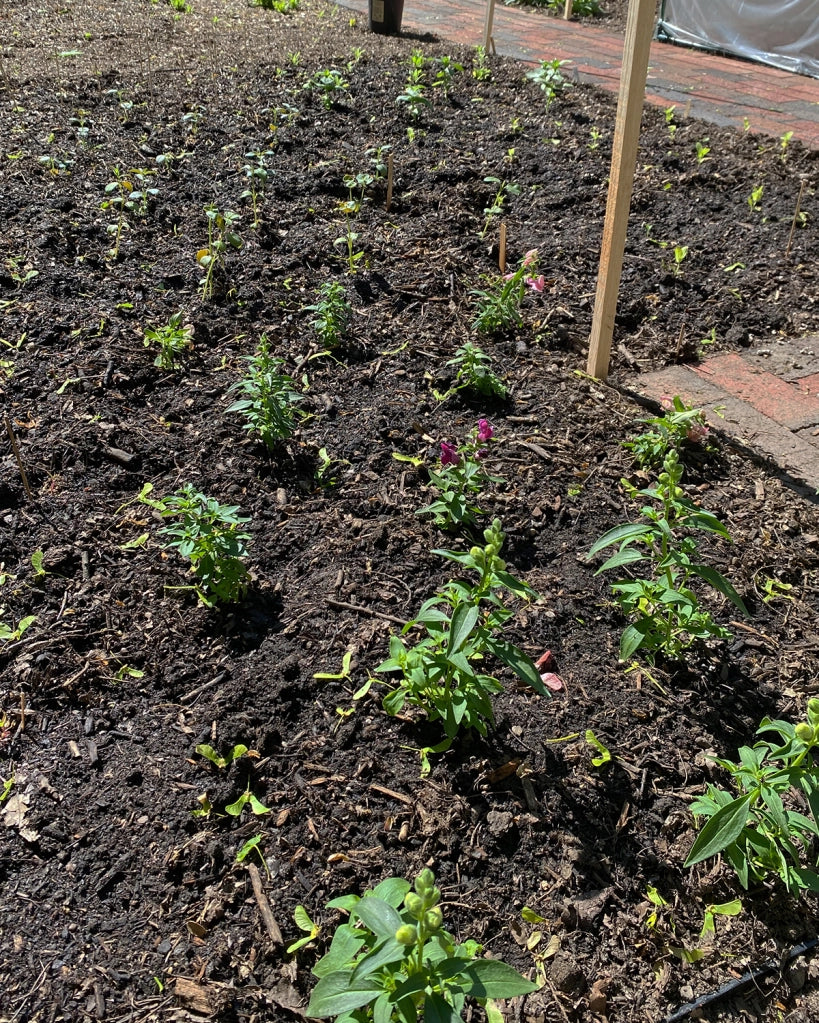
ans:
(795, 217)
(343, 605)
(265, 911)
(392, 794)
(389, 184)
(205, 685)
(19, 460)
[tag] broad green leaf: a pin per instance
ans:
(333, 996)
(522, 665)
(392, 890)
(628, 556)
(244, 852)
(624, 533)
(436, 1010)
(379, 916)
(235, 809)
(688, 955)
(720, 584)
(722, 830)
(632, 639)
(494, 979)
(345, 946)
(463, 622)
(389, 951)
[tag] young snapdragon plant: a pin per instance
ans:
(666, 612)
(461, 475)
(463, 623)
(329, 84)
(680, 424)
(549, 79)
(497, 307)
(503, 189)
(172, 340)
(268, 399)
(256, 174)
(222, 236)
(210, 537)
(474, 373)
(393, 961)
(755, 828)
(332, 313)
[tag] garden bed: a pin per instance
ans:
(116, 901)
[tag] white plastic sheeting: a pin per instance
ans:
(784, 33)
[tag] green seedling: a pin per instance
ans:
(446, 71)
(680, 252)
(332, 314)
(11, 633)
(118, 194)
(481, 71)
(414, 98)
(775, 589)
(238, 751)
(497, 306)
(250, 846)
(702, 151)
(345, 668)
(784, 142)
(209, 536)
(669, 121)
(709, 926)
(666, 612)
(329, 84)
(256, 174)
(394, 961)
(679, 426)
(222, 236)
(603, 753)
(755, 198)
(474, 373)
(247, 799)
(503, 190)
(549, 79)
(268, 399)
(754, 828)
(462, 623)
(304, 923)
(6, 785)
(37, 559)
(172, 340)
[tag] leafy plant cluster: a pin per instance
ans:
(497, 306)
(461, 476)
(667, 617)
(393, 960)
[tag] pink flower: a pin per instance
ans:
(530, 257)
(536, 283)
(697, 433)
(485, 431)
(449, 454)
(548, 678)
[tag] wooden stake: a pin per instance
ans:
(795, 216)
(487, 27)
(502, 247)
(567, 9)
(16, 451)
(639, 28)
(389, 182)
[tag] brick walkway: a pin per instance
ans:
(766, 398)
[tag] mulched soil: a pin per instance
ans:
(117, 903)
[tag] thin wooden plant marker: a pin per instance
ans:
(795, 216)
(630, 103)
(502, 247)
(389, 184)
(487, 27)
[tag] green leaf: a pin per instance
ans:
(388, 951)
(605, 753)
(345, 946)
(722, 830)
(247, 848)
(720, 584)
(531, 917)
(627, 556)
(633, 638)
(379, 916)
(392, 890)
(463, 622)
(624, 533)
(333, 996)
(436, 1010)
(235, 809)
(494, 979)
(522, 665)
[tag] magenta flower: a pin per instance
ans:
(536, 283)
(485, 431)
(449, 454)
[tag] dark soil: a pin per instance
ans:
(116, 902)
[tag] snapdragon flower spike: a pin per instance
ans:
(449, 454)
(485, 431)
(530, 258)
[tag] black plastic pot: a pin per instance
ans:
(385, 16)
